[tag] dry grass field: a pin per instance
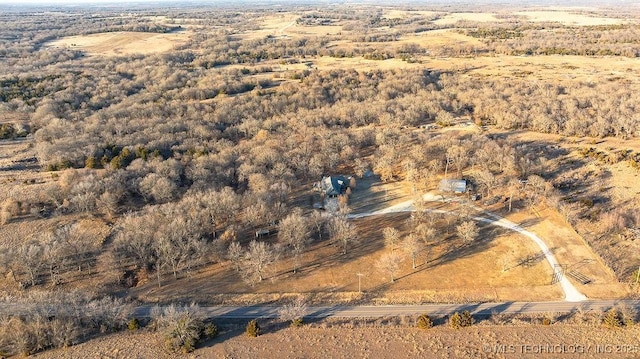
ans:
(19, 170)
(434, 38)
(285, 25)
(566, 17)
(569, 18)
(452, 18)
(473, 273)
(554, 68)
(123, 43)
(573, 253)
(401, 14)
(324, 340)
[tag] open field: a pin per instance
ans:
(123, 43)
(285, 26)
(400, 14)
(341, 341)
(19, 170)
(476, 275)
(573, 254)
(434, 39)
(468, 16)
(555, 68)
(558, 69)
(570, 18)
(565, 17)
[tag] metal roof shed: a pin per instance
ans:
(453, 185)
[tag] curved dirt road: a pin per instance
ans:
(571, 293)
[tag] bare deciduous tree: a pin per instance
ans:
(412, 246)
(569, 211)
(319, 220)
(343, 232)
(457, 155)
(257, 261)
(535, 190)
(467, 231)
(76, 242)
(294, 233)
(389, 263)
(391, 237)
(9, 208)
(235, 254)
(425, 232)
(135, 238)
(294, 311)
(506, 260)
(158, 188)
(257, 213)
(488, 179)
(28, 258)
(54, 257)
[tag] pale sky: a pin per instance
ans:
(174, 3)
(89, 2)
(56, 2)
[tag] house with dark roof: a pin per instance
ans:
(332, 186)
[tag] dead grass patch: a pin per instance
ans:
(467, 16)
(438, 38)
(569, 18)
(378, 338)
(448, 271)
(402, 14)
(123, 42)
(285, 25)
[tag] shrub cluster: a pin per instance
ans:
(424, 322)
(618, 318)
(461, 320)
(183, 328)
(253, 329)
(54, 320)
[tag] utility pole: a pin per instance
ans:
(359, 282)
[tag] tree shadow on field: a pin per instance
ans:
(371, 194)
(532, 259)
(369, 241)
(530, 222)
(229, 328)
(458, 249)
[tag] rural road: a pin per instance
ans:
(345, 311)
(571, 293)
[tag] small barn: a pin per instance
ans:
(453, 185)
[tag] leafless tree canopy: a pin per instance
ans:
(180, 157)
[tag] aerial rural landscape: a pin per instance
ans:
(319, 180)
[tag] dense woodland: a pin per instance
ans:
(185, 156)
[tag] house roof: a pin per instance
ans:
(334, 185)
(453, 185)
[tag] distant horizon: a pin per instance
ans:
(191, 3)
